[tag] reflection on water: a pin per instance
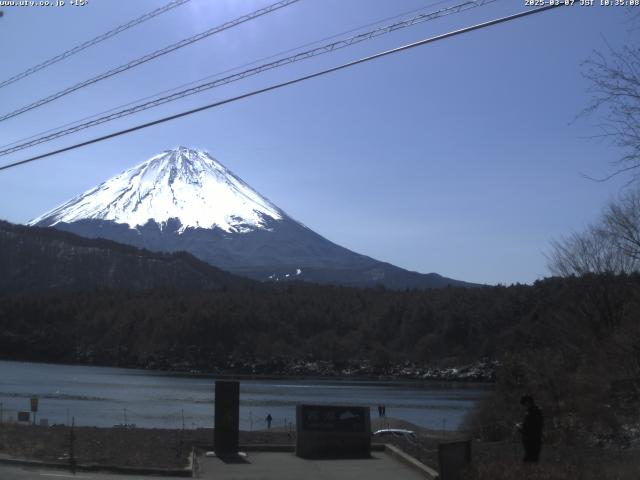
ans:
(101, 396)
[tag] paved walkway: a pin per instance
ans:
(286, 466)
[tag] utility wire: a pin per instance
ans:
(250, 72)
(93, 41)
(287, 83)
(150, 56)
(217, 74)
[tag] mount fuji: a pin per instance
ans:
(184, 199)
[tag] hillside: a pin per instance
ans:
(38, 259)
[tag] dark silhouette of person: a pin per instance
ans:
(269, 419)
(379, 410)
(531, 430)
(384, 410)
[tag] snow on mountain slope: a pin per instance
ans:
(186, 184)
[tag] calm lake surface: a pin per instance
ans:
(101, 396)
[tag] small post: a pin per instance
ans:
(453, 458)
(72, 438)
(180, 438)
(34, 408)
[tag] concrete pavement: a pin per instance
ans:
(258, 465)
(286, 466)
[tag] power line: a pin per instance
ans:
(150, 56)
(253, 71)
(217, 74)
(287, 83)
(93, 41)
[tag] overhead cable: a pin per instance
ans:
(330, 47)
(287, 83)
(150, 56)
(214, 75)
(94, 41)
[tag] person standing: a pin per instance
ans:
(269, 419)
(531, 430)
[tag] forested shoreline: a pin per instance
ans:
(573, 342)
(212, 330)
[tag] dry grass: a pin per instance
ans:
(503, 461)
(587, 471)
(138, 447)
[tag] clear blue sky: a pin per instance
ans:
(459, 157)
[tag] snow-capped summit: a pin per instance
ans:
(184, 184)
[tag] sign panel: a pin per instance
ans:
(24, 416)
(327, 418)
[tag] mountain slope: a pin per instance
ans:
(184, 199)
(37, 259)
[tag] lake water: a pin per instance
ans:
(101, 396)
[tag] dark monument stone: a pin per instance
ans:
(227, 419)
(453, 458)
(333, 431)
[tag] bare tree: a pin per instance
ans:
(591, 251)
(621, 222)
(603, 255)
(615, 89)
(611, 246)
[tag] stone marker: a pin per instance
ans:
(227, 419)
(333, 431)
(453, 458)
